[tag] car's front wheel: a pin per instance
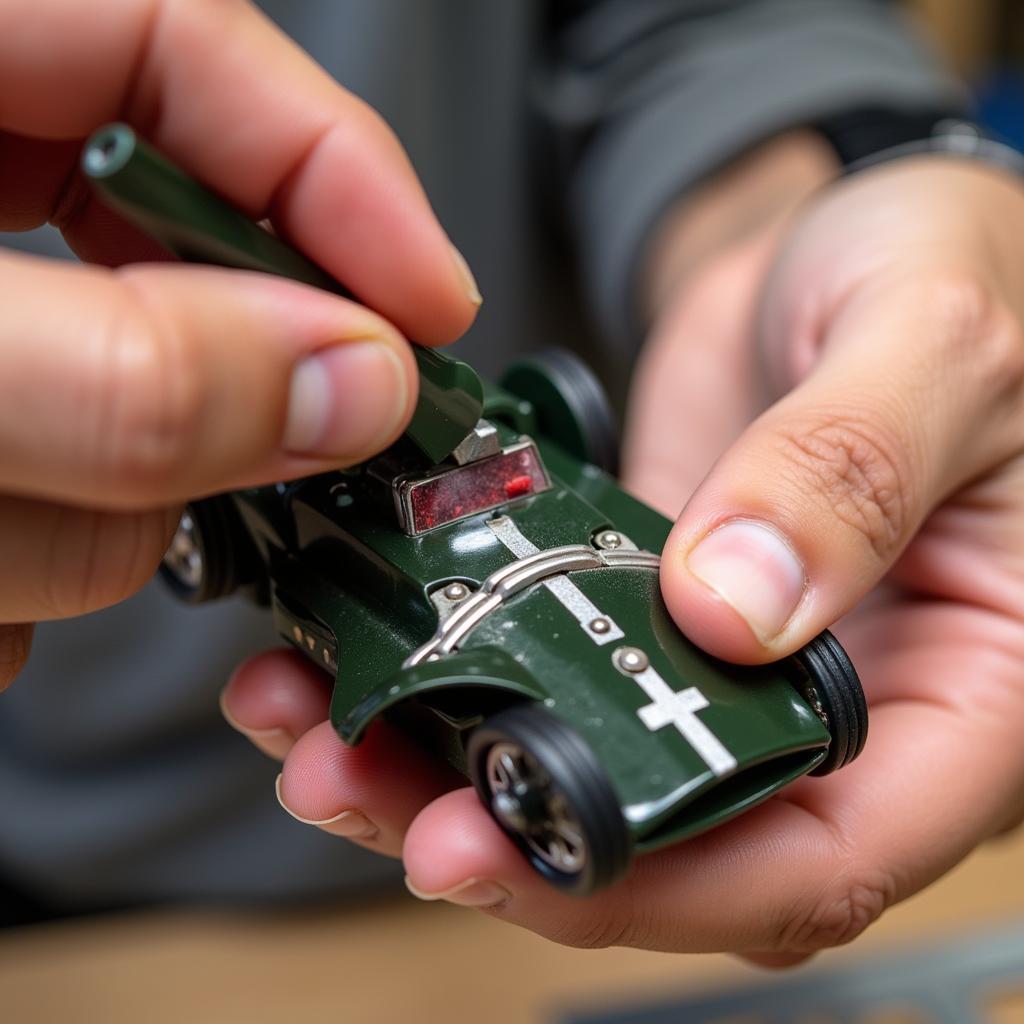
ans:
(545, 787)
(834, 692)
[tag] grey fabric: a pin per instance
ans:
(549, 136)
(696, 84)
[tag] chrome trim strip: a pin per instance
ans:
(624, 556)
(460, 624)
(547, 568)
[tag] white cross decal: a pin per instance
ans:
(679, 708)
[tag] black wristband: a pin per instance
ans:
(863, 132)
(867, 137)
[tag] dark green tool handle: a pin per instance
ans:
(195, 225)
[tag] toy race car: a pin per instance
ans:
(501, 603)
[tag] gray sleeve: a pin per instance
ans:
(649, 96)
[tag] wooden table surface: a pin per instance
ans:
(405, 961)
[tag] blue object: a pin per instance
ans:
(948, 984)
(1000, 104)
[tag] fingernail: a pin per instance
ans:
(351, 824)
(346, 400)
(467, 278)
(274, 743)
(473, 892)
(754, 571)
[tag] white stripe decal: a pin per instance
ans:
(509, 534)
(679, 708)
(582, 609)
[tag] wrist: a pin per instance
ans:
(950, 137)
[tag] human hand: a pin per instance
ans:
(888, 317)
(125, 392)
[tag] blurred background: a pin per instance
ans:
(954, 953)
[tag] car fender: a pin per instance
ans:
(482, 668)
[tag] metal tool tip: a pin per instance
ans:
(107, 150)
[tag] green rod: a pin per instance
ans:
(196, 225)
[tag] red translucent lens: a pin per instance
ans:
(476, 487)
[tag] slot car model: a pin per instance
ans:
(487, 584)
(504, 607)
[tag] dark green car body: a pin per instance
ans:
(484, 584)
(354, 592)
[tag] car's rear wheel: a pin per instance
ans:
(571, 405)
(545, 787)
(833, 690)
(209, 556)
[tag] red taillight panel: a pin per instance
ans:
(476, 487)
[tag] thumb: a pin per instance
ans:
(817, 499)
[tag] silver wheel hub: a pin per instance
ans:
(526, 802)
(184, 558)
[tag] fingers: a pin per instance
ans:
(817, 499)
(803, 872)
(158, 383)
(368, 793)
(60, 561)
(274, 699)
(315, 158)
(15, 645)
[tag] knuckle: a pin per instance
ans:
(974, 331)
(861, 475)
(960, 305)
(15, 646)
(595, 930)
(836, 916)
(149, 401)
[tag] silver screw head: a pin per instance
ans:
(456, 591)
(600, 626)
(609, 540)
(631, 660)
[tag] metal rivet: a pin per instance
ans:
(297, 633)
(609, 540)
(434, 657)
(456, 591)
(630, 659)
(814, 699)
(600, 626)
(310, 641)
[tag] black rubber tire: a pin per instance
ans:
(831, 673)
(578, 776)
(225, 552)
(566, 393)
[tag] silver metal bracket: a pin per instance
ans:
(483, 441)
